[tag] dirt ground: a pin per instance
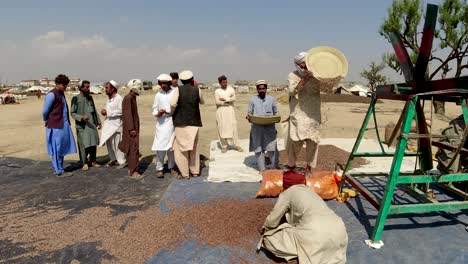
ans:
(23, 132)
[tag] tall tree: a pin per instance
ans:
(404, 16)
(453, 35)
(373, 75)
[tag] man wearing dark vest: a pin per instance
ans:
(187, 121)
(59, 136)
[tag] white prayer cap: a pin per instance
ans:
(164, 78)
(185, 75)
(259, 82)
(113, 83)
(300, 58)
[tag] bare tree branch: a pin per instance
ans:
(436, 58)
(447, 60)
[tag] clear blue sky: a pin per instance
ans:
(102, 40)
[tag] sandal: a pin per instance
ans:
(160, 174)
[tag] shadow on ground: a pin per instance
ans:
(32, 185)
(83, 252)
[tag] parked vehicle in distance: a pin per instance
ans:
(147, 85)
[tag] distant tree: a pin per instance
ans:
(404, 16)
(373, 75)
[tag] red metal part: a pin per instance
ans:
(363, 191)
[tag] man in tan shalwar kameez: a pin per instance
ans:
(225, 96)
(187, 121)
(305, 114)
(311, 232)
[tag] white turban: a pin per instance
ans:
(135, 83)
(164, 78)
(300, 58)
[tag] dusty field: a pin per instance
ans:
(23, 132)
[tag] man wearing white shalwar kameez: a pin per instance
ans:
(164, 133)
(111, 134)
(304, 114)
(225, 96)
(311, 232)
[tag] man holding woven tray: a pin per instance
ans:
(317, 70)
(263, 136)
(305, 115)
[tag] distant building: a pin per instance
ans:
(74, 83)
(29, 83)
(45, 82)
(241, 83)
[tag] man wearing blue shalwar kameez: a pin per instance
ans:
(59, 136)
(263, 137)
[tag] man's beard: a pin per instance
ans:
(262, 95)
(109, 94)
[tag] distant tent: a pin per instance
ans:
(360, 90)
(35, 89)
(341, 89)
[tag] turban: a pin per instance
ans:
(135, 83)
(164, 78)
(300, 58)
(186, 75)
(291, 178)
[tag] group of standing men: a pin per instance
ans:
(178, 120)
(119, 131)
(177, 116)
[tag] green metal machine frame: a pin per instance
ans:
(414, 92)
